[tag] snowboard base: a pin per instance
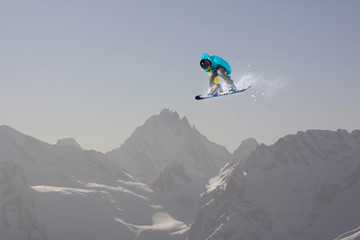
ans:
(202, 97)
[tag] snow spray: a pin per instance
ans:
(261, 86)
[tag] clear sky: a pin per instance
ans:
(96, 70)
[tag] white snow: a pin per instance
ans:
(350, 235)
(62, 190)
(161, 222)
(263, 86)
(117, 189)
(220, 181)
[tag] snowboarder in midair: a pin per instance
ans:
(216, 66)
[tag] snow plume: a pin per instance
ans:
(261, 86)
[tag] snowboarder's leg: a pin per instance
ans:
(212, 75)
(229, 82)
(215, 86)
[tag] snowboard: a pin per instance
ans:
(202, 97)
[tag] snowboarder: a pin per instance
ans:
(216, 66)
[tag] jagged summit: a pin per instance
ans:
(167, 112)
(167, 124)
(166, 139)
(166, 119)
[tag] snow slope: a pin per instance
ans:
(61, 192)
(305, 186)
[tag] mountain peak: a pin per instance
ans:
(165, 139)
(167, 118)
(173, 115)
(166, 112)
(69, 142)
(245, 149)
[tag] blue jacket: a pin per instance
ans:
(216, 62)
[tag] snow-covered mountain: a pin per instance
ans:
(61, 192)
(174, 159)
(77, 194)
(305, 186)
(165, 139)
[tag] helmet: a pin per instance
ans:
(205, 64)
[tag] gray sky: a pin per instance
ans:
(96, 70)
